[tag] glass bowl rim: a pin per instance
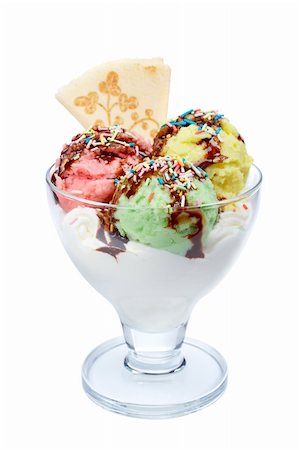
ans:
(246, 194)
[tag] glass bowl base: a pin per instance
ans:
(109, 383)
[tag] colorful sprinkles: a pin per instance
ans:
(99, 139)
(190, 111)
(150, 197)
(198, 117)
(190, 122)
(105, 136)
(208, 127)
(173, 173)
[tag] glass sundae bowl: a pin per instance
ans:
(153, 371)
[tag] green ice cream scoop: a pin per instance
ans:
(155, 200)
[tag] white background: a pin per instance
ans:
(241, 58)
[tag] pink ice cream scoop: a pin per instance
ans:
(88, 166)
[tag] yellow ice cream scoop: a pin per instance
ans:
(209, 140)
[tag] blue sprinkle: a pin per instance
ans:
(191, 122)
(179, 123)
(174, 177)
(203, 171)
(132, 144)
(186, 113)
(218, 130)
(160, 181)
(200, 127)
(87, 140)
(151, 162)
(184, 159)
(132, 170)
(218, 116)
(116, 180)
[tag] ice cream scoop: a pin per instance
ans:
(155, 194)
(89, 164)
(211, 141)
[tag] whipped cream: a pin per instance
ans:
(82, 225)
(152, 290)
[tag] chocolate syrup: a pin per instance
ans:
(115, 239)
(107, 153)
(115, 244)
(213, 155)
(112, 251)
(162, 136)
(196, 250)
(132, 187)
(213, 151)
